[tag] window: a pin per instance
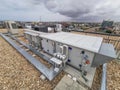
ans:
(14, 26)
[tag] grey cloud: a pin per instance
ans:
(79, 10)
(87, 9)
(73, 13)
(72, 9)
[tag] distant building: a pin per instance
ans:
(117, 27)
(2, 24)
(107, 25)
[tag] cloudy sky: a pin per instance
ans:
(60, 10)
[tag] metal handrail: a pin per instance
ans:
(118, 35)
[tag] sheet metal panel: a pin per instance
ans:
(89, 43)
(107, 50)
(106, 54)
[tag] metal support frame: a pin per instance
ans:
(48, 72)
(104, 79)
(34, 50)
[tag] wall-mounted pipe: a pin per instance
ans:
(104, 79)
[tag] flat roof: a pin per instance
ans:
(90, 43)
